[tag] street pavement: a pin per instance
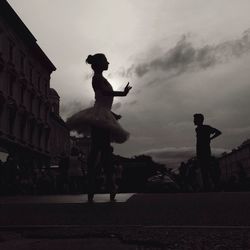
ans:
(188, 209)
(61, 199)
(219, 220)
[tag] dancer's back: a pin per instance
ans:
(100, 86)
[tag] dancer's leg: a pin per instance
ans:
(93, 159)
(108, 165)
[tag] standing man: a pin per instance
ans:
(204, 134)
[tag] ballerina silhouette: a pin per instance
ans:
(104, 125)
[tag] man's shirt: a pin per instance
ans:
(203, 134)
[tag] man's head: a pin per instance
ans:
(198, 119)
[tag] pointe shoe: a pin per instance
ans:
(113, 194)
(90, 198)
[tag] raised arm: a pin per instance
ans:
(215, 133)
(117, 93)
(98, 85)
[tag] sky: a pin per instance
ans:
(180, 56)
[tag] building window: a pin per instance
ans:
(53, 108)
(40, 132)
(39, 83)
(31, 74)
(22, 127)
(39, 109)
(32, 128)
(46, 89)
(22, 62)
(11, 50)
(47, 135)
(12, 117)
(31, 102)
(1, 41)
(22, 94)
(2, 101)
(11, 85)
(46, 114)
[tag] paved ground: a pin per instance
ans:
(137, 221)
(61, 199)
(138, 237)
(213, 209)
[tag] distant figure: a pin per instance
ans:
(11, 169)
(63, 172)
(83, 159)
(103, 122)
(1, 175)
(118, 173)
(75, 172)
(204, 135)
(242, 177)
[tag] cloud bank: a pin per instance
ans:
(70, 108)
(185, 56)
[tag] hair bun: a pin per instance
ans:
(89, 59)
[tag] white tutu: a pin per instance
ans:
(99, 117)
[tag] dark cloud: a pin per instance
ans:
(155, 81)
(129, 103)
(184, 56)
(173, 156)
(70, 108)
(133, 102)
(126, 73)
(116, 106)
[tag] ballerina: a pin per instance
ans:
(103, 123)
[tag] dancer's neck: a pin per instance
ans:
(98, 73)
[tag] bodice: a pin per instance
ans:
(100, 85)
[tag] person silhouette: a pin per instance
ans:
(204, 135)
(103, 122)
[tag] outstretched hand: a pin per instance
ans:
(127, 89)
(117, 117)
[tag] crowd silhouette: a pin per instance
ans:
(102, 171)
(137, 174)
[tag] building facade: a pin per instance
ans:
(238, 159)
(83, 144)
(30, 125)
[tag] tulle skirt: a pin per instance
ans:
(98, 117)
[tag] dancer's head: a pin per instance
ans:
(98, 62)
(198, 119)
